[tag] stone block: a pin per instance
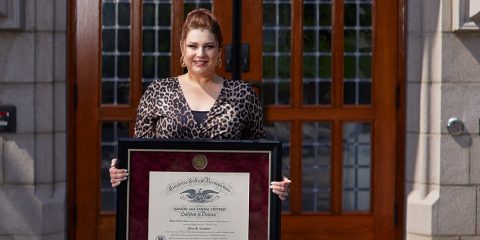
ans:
(432, 57)
(60, 157)
(21, 96)
(457, 210)
(54, 219)
(431, 16)
(455, 161)
(53, 236)
(44, 160)
(478, 210)
(413, 107)
(470, 238)
(461, 54)
(414, 57)
(6, 237)
(431, 109)
(423, 108)
(44, 107)
(60, 108)
(423, 158)
(45, 15)
(17, 55)
(447, 15)
(29, 215)
(23, 209)
(422, 237)
(422, 212)
(30, 15)
(461, 101)
(475, 161)
(18, 159)
(414, 16)
(61, 15)
(60, 57)
(1, 160)
(44, 56)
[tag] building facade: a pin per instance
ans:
(442, 81)
(33, 158)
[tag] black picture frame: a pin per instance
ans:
(230, 155)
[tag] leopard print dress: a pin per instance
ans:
(164, 113)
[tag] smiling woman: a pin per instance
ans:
(199, 104)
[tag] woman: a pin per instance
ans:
(199, 104)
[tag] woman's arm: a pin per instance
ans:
(145, 123)
(254, 126)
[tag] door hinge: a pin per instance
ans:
(75, 96)
(397, 97)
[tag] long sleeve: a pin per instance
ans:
(146, 121)
(254, 126)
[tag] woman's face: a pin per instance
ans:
(200, 52)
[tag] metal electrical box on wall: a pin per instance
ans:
(8, 119)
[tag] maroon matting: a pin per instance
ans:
(142, 162)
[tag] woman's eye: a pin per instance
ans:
(192, 46)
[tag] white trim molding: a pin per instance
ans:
(465, 15)
(12, 14)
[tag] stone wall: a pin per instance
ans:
(443, 81)
(33, 159)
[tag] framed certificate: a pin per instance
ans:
(191, 189)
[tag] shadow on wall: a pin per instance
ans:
(26, 209)
(423, 97)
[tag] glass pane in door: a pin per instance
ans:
(276, 51)
(317, 52)
(189, 5)
(111, 131)
(115, 52)
(281, 131)
(156, 31)
(358, 52)
(316, 167)
(356, 166)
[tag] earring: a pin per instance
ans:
(182, 63)
(219, 62)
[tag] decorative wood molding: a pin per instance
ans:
(12, 14)
(465, 15)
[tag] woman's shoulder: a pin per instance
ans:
(164, 84)
(236, 85)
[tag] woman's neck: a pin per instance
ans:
(202, 80)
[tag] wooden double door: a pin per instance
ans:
(329, 74)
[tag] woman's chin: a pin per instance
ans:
(202, 70)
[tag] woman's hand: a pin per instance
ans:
(117, 175)
(281, 188)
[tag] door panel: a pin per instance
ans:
(328, 70)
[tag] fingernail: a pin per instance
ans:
(126, 174)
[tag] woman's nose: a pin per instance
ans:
(201, 51)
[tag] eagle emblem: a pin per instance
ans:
(199, 195)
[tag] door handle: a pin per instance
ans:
(244, 57)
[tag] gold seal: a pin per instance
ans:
(199, 162)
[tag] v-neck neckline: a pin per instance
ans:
(189, 109)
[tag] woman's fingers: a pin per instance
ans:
(117, 175)
(113, 163)
(281, 188)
